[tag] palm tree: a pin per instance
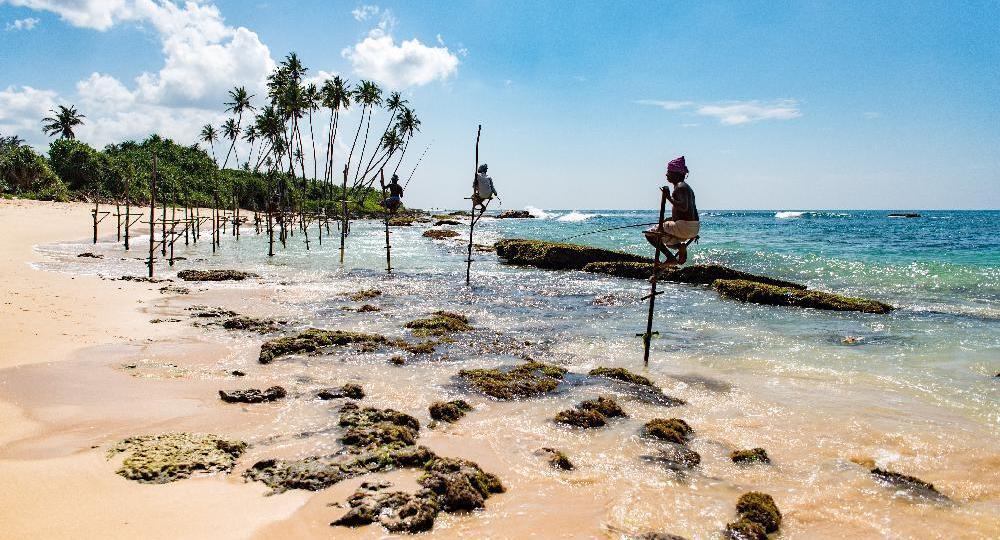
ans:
(250, 136)
(408, 125)
(312, 101)
(209, 135)
(231, 131)
(393, 104)
(336, 96)
(239, 102)
(370, 96)
(63, 122)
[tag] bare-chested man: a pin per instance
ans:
(683, 224)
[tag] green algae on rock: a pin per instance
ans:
(697, 274)
(364, 294)
(440, 234)
(558, 256)
(397, 511)
(759, 293)
(526, 380)
(557, 459)
(252, 324)
(215, 275)
(253, 395)
(440, 323)
(604, 405)
(620, 374)
(581, 418)
(672, 430)
(312, 340)
(744, 529)
(349, 391)
(759, 508)
(754, 455)
(449, 411)
(675, 457)
(460, 485)
(446, 221)
(158, 459)
(911, 484)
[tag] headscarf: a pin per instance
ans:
(677, 165)
(482, 168)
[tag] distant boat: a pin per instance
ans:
(906, 215)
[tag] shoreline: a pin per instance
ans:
(62, 391)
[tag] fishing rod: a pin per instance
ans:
(610, 229)
(417, 165)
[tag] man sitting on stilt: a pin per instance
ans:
(395, 199)
(683, 226)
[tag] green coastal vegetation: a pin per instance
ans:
(288, 165)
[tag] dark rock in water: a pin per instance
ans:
(672, 430)
(312, 340)
(143, 279)
(676, 457)
(557, 459)
(483, 248)
(620, 374)
(397, 360)
(397, 511)
(400, 221)
(237, 373)
(558, 256)
(754, 455)
(460, 485)
(904, 215)
(698, 274)
(517, 214)
(215, 275)
(368, 308)
(90, 255)
(157, 321)
(364, 294)
(381, 434)
(583, 418)
(912, 484)
(206, 312)
(759, 293)
(658, 536)
(442, 322)
(253, 395)
(252, 324)
(441, 222)
(759, 508)
(744, 529)
(606, 406)
(158, 459)
(450, 411)
(175, 290)
(526, 380)
(349, 390)
(440, 234)
(353, 416)
(422, 347)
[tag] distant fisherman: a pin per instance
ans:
(482, 189)
(395, 198)
(683, 224)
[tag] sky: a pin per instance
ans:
(776, 105)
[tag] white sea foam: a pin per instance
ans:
(575, 216)
(538, 213)
(788, 215)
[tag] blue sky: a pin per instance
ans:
(776, 105)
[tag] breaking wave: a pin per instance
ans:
(793, 214)
(575, 216)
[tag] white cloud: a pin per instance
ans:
(96, 14)
(22, 110)
(23, 24)
(733, 113)
(362, 13)
(410, 63)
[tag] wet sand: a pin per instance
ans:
(82, 367)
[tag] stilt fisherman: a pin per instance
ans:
(683, 225)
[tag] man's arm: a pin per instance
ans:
(680, 198)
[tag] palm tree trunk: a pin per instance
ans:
(400, 162)
(312, 140)
(363, 146)
(353, 144)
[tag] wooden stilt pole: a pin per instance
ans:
(96, 208)
(163, 229)
(652, 285)
(343, 226)
(472, 216)
(215, 219)
(128, 217)
(152, 216)
(118, 214)
(270, 230)
(388, 246)
(173, 231)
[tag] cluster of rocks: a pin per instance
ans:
(364, 294)
(348, 391)
(215, 275)
(449, 411)
(441, 234)
(516, 214)
(757, 516)
(312, 340)
(526, 380)
(591, 413)
(158, 459)
(253, 395)
(440, 323)
(760, 293)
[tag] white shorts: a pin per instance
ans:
(675, 232)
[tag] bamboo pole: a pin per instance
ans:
(652, 284)
(128, 216)
(343, 227)
(152, 216)
(472, 216)
(388, 246)
(118, 214)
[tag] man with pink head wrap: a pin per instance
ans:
(683, 224)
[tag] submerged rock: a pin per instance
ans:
(441, 322)
(90, 255)
(168, 289)
(253, 395)
(215, 275)
(158, 459)
(450, 411)
(364, 294)
(676, 457)
(558, 256)
(205, 312)
(517, 214)
(912, 484)
(557, 459)
(582, 418)
(754, 455)
(658, 536)
(697, 274)
(400, 221)
(397, 511)
(312, 340)
(759, 293)
(759, 508)
(620, 374)
(606, 406)
(442, 222)
(744, 529)
(526, 380)
(460, 485)
(440, 234)
(422, 347)
(349, 391)
(672, 430)
(252, 324)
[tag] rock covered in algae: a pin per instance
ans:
(397, 511)
(158, 459)
(581, 418)
(420, 347)
(364, 294)
(557, 459)
(744, 529)
(440, 234)
(558, 256)
(754, 455)
(759, 293)
(672, 430)
(526, 380)
(460, 485)
(604, 405)
(911, 484)
(516, 214)
(90, 255)
(215, 275)
(400, 221)
(312, 340)
(449, 411)
(696, 274)
(759, 508)
(252, 324)
(620, 374)
(446, 221)
(440, 323)
(349, 391)
(676, 457)
(253, 395)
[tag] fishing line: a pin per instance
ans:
(417, 165)
(609, 229)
